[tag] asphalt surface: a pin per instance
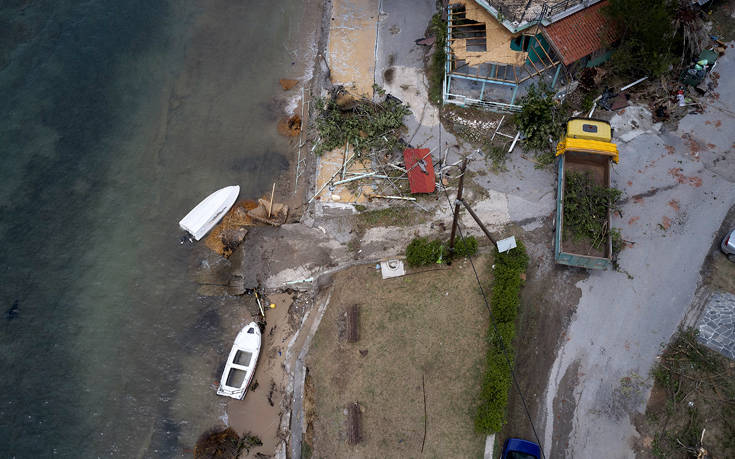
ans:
(680, 186)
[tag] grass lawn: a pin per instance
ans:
(429, 326)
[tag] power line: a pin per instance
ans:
(493, 321)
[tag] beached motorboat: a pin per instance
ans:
(207, 213)
(241, 363)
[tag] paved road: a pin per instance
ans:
(680, 186)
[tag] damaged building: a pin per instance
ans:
(496, 49)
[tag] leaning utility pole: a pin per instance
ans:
(456, 208)
(477, 220)
(503, 245)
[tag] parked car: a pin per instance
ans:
(728, 245)
(515, 448)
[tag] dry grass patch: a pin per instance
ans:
(431, 325)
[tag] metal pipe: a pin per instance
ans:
(404, 198)
(340, 182)
(327, 182)
(634, 83)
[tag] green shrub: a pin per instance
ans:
(540, 118)
(496, 384)
(506, 331)
(465, 246)
(514, 259)
(497, 379)
(421, 252)
(367, 126)
(438, 28)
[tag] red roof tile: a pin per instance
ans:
(582, 33)
(420, 181)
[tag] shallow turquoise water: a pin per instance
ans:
(118, 117)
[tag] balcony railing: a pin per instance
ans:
(533, 11)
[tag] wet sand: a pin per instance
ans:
(260, 412)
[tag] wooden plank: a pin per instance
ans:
(545, 52)
(532, 65)
(477, 24)
(354, 424)
(353, 324)
(488, 79)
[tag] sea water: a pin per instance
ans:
(117, 118)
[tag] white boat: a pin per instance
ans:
(241, 363)
(209, 212)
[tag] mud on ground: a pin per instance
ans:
(548, 302)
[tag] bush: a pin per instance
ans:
(421, 252)
(465, 246)
(496, 384)
(438, 28)
(539, 119)
(497, 155)
(497, 380)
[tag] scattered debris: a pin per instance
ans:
(287, 83)
(278, 212)
(420, 170)
(427, 41)
(392, 268)
(225, 237)
(290, 127)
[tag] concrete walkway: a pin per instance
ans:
(717, 324)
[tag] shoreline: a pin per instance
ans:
(315, 244)
(265, 410)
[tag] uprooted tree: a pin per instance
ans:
(540, 119)
(366, 125)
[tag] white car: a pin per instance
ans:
(728, 245)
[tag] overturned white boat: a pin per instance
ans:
(207, 213)
(241, 363)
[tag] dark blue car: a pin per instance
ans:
(515, 448)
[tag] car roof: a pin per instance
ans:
(522, 446)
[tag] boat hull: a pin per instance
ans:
(209, 212)
(241, 363)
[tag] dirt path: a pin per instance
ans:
(548, 301)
